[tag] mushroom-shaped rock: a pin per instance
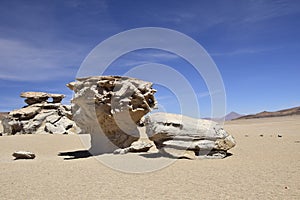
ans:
(182, 136)
(109, 108)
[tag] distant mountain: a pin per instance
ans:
(228, 117)
(280, 113)
(232, 115)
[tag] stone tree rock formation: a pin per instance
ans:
(40, 116)
(109, 109)
(181, 136)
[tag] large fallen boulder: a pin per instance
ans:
(109, 109)
(181, 136)
(40, 116)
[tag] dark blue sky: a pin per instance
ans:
(255, 45)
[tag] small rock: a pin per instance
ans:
(261, 135)
(138, 146)
(279, 135)
(23, 155)
(246, 135)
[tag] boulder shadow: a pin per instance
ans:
(228, 154)
(151, 155)
(71, 155)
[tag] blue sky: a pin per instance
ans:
(255, 45)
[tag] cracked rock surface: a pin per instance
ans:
(109, 109)
(40, 116)
(181, 136)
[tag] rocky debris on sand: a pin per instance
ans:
(181, 136)
(40, 116)
(116, 104)
(135, 147)
(23, 155)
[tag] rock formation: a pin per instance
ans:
(109, 108)
(181, 136)
(40, 116)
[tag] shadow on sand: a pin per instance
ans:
(151, 155)
(71, 155)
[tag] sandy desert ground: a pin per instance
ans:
(262, 166)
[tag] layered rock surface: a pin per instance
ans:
(109, 108)
(40, 116)
(181, 136)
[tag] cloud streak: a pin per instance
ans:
(20, 61)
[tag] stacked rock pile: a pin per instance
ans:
(41, 115)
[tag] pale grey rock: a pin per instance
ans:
(135, 147)
(54, 129)
(31, 127)
(23, 155)
(181, 136)
(53, 119)
(43, 115)
(61, 126)
(12, 126)
(109, 108)
(25, 113)
(65, 122)
(66, 110)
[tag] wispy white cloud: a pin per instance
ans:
(155, 55)
(264, 10)
(142, 57)
(241, 51)
(208, 94)
(20, 61)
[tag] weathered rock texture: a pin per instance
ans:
(40, 116)
(182, 136)
(109, 108)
